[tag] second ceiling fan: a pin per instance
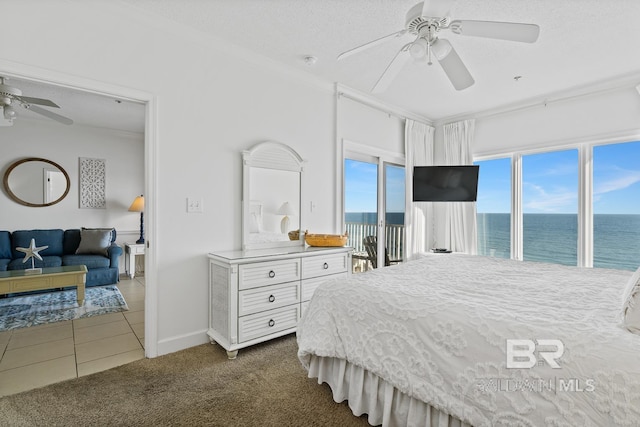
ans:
(423, 24)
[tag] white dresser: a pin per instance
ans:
(258, 295)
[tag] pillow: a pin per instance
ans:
(95, 241)
(631, 304)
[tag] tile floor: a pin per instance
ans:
(45, 354)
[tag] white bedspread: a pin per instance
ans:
(437, 327)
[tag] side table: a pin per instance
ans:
(130, 252)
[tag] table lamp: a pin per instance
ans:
(138, 206)
(286, 209)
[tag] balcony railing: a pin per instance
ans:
(394, 237)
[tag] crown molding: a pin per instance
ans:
(373, 102)
(601, 87)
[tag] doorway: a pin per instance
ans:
(83, 91)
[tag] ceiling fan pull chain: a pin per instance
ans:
(429, 53)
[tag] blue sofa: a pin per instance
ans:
(63, 245)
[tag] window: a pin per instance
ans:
(550, 207)
(360, 205)
(394, 181)
(574, 207)
(494, 208)
(616, 206)
(374, 193)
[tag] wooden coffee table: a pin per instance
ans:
(53, 277)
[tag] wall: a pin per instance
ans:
(581, 119)
(369, 126)
(211, 102)
(64, 145)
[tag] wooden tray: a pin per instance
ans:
(327, 240)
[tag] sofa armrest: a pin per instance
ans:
(114, 252)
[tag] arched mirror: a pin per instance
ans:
(36, 182)
(271, 197)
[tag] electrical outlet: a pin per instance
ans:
(194, 205)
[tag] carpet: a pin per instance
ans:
(265, 386)
(36, 309)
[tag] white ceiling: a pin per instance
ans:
(84, 108)
(581, 43)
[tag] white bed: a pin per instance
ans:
(424, 343)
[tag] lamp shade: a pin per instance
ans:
(286, 209)
(137, 205)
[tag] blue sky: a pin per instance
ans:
(361, 187)
(550, 181)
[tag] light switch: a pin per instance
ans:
(194, 205)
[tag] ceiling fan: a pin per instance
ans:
(423, 24)
(10, 96)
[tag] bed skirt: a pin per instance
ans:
(366, 393)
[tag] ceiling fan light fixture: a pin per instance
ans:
(418, 49)
(441, 49)
(3, 120)
(9, 112)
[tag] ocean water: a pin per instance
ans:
(553, 238)
(549, 237)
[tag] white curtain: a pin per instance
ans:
(419, 151)
(460, 217)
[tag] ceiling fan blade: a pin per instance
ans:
(393, 69)
(452, 65)
(370, 44)
(436, 8)
(49, 114)
(38, 101)
(513, 31)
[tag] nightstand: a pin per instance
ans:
(130, 252)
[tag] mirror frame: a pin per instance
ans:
(269, 155)
(17, 199)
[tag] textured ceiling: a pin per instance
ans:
(582, 42)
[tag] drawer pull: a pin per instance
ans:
(272, 274)
(325, 266)
(272, 322)
(272, 298)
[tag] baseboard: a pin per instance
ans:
(181, 342)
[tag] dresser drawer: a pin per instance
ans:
(309, 285)
(268, 322)
(268, 273)
(324, 265)
(266, 298)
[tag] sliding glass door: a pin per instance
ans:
(361, 210)
(374, 210)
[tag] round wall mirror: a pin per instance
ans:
(36, 182)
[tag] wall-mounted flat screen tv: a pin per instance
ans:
(445, 183)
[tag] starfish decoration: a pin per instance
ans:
(32, 252)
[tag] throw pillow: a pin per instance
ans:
(631, 304)
(94, 241)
